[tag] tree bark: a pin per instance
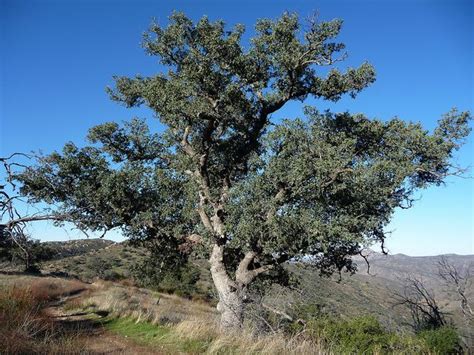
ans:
(231, 308)
(231, 295)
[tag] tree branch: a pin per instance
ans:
(185, 143)
(335, 175)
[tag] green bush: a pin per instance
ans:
(362, 335)
(444, 340)
(180, 280)
(365, 335)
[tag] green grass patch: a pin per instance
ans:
(156, 336)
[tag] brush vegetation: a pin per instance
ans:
(173, 324)
(25, 327)
(352, 296)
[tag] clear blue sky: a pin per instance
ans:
(56, 57)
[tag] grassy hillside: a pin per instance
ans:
(360, 294)
(48, 315)
(104, 259)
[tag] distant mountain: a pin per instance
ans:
(398, 266)
(392, 270)
(373, 293)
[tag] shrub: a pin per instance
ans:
(24, 329)
(112, 275)
(182, 283)
(181, 280)
(362, 335)
(444, 340)
(30, 254)
(98, 266)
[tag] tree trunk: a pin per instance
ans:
(231, 295)
(231, 308)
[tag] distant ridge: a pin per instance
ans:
(64, 249)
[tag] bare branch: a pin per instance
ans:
(421, 303)
(335, 175)
(276, 311)
(454, 279)
(366, 259)
(245, 263)
(185, 143)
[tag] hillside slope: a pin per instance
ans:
(354, 295)
(103, 259)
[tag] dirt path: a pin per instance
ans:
(87, 326)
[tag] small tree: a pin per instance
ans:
(421, 302)
(458, 280)
(170, 272)
(227, 180)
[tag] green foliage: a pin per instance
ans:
(102, 268)
(444, 340)
(364, 335)
(182, 283)
(167, 275)
(25, 251)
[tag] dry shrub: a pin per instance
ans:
(25, 328)
(126, 282)
(52, 288)
(74, 304)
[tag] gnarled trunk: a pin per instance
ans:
(231, 295)
(231, 308)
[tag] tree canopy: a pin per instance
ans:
(226, 180)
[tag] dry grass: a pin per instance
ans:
(146, 305)
(53, 288)
(24, 326)
(189, 321)
(245, 342)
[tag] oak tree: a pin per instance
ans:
(226, 179)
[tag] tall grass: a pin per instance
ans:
(24, 326)
(246, 341)
(145, 305)
(176, 325)
(182, 326)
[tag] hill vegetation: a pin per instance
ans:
(310, 316)
(50, 315)
(64, 249)
(349, 297)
